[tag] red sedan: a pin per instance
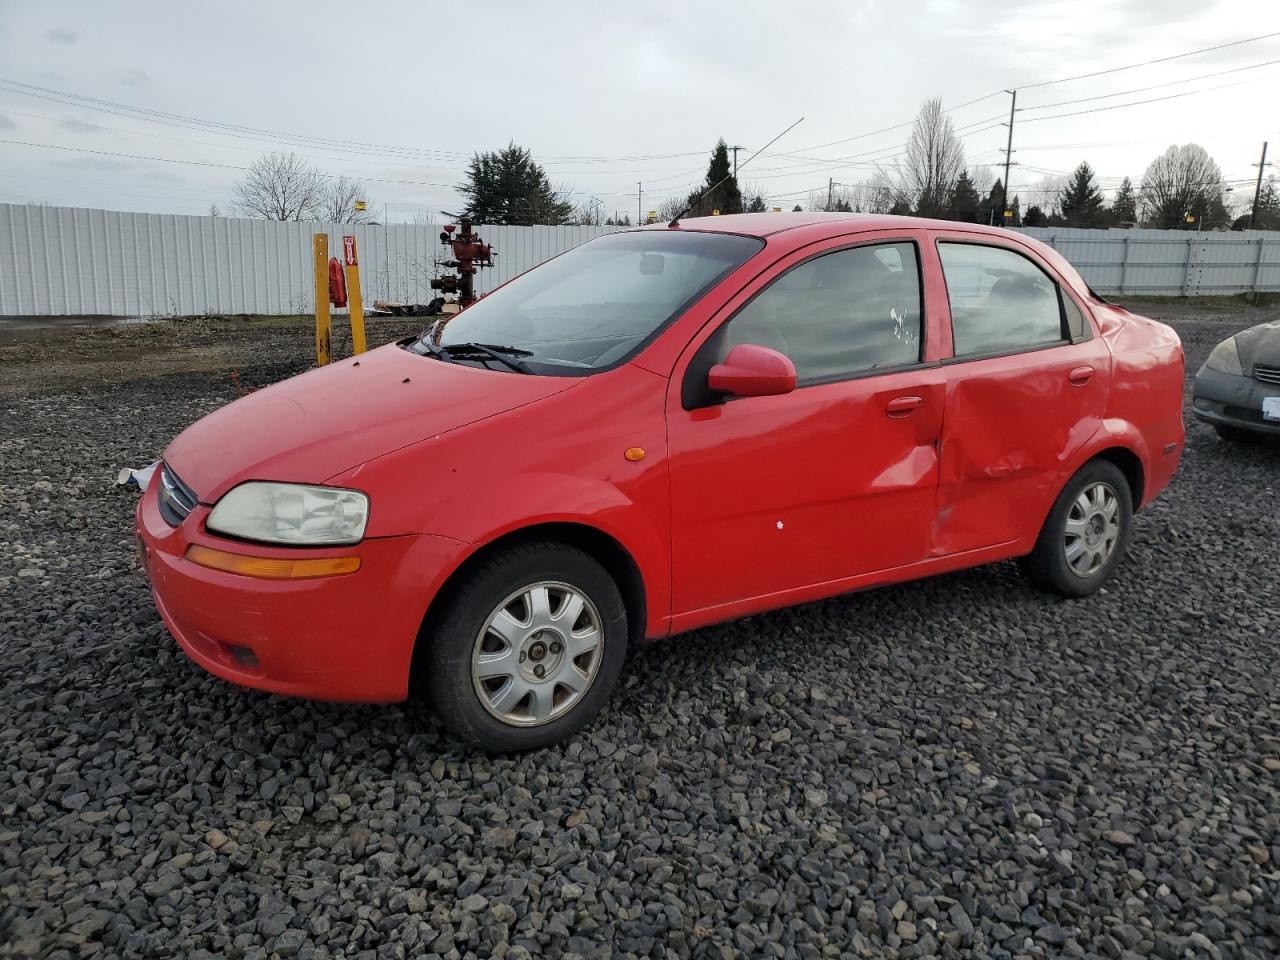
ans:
(661, 429)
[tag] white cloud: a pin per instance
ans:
(577, 83)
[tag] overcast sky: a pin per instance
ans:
(608, 94)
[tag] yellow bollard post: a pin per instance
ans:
(320, 251)
(353, 294)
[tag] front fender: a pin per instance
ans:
(525, 500)
(550, 462)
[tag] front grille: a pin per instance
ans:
(176, 498)
(1266, 374)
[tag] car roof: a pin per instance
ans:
(799, 229)
(771, 224)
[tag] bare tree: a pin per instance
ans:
(671, 208)
(886, 192)
(337, 201)
(1046, 194)
(754, 199)
(934, 161)
(1182, 182)
(279, 186)
(589, 213)
(834, 200)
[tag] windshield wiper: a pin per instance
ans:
(504, 355)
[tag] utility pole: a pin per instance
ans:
(1008, 157)
(1257, 191)
(735, 150)
(639, 198)
(830, 183)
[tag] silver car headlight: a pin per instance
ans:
(1225, 358)
(293, 514)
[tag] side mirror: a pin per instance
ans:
(751, 370)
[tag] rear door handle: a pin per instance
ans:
(903, 406)
(1080, 376)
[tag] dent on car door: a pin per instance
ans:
(775, 494)
(1026, 389)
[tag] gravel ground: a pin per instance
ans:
(956, 767)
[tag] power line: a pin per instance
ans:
(1156, 86)
(209, 163)
(1147, 63)
(242, 131)
(1138, 103)
(897, 126)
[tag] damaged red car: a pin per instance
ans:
(661, 429)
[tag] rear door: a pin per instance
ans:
(1026, 388)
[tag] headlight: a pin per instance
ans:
(1225, 358)
(291, 514)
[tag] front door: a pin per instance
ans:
(771, 495)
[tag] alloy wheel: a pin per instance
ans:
(1092, 529)
(537, 654)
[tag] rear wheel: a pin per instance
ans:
(1086, 533)
(528, 649)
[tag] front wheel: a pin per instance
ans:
(1086, 533)
(528, 648)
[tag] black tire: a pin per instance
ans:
(1235, 434)
(452, 638)
(1047, 564)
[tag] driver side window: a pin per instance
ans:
(838, 315)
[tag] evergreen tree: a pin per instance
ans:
(506, 186)
(1081, 201)
(1267, 214)
(901, 208)
(1124, 208)
(964, 202)
(796, 208)
(1035, 217)
(989, 210)
(756, 205)
(726, 197)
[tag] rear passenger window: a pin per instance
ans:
(840, 314)
(1000, 301)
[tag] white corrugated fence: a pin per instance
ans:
(1169, 262)
(58, 261)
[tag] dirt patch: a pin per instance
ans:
(66, 356)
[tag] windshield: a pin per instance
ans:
(597, 304)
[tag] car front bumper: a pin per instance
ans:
(1230, 400)
(346, 638)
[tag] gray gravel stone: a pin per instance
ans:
(957, 767)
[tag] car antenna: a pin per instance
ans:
(675, 221)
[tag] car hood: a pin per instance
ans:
(323, 422)
(1260, 344)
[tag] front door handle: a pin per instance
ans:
(903, 406)
(1080, 376)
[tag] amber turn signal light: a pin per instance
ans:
(271, 568)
